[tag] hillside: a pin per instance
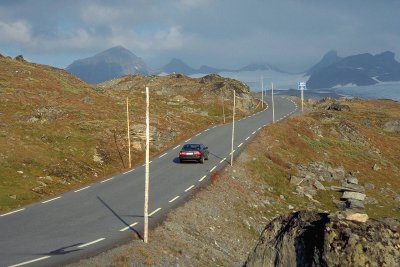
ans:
(58, 133)
(290, 166)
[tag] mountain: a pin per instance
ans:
(109, 64)
(178, 66)
(328, 59)
(360, 70)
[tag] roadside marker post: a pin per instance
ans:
(302, 86)
(129, 136)
(273, 104)
(233, 124)
(146, 187)
(223, 107)
(262, 93)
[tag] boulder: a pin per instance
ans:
(20, 58)
(353, 195)
(357, 217)
(392, 126)
(339, 107)
(321, 239)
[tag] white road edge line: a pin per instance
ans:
(28, 262)
(187, 140)
(154, 212)
(213, 168)
(202, 178)
(172, 200)
(240, 144)
(91, 243)
(253, 132)
(12, 212)
(221, 161)
(176, 147)
(49, 200)
(130, 226)
(109, 179)
(82, 189)
(198, 134)
(190, 187)
(247, 138)
(162, 155)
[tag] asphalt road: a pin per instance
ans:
(89, 220)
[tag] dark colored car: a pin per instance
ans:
(193, 152)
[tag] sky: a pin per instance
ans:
(290, 34)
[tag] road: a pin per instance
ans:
(94, 218)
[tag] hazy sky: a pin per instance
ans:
(291, 34)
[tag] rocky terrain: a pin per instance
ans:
(58, 132)
(318, 189)
(321, 239)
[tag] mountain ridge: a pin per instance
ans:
(361, 69)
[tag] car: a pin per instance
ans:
(193, 152)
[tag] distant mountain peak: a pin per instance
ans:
(108, 64)
(331, 57)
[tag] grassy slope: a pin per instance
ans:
(52, 125)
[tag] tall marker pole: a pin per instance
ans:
(273, 104)
(233, 124)
(146, 187)
(302, 96)
(129, 136)
(223, 107)
(262, 93)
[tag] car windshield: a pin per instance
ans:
(191, 147)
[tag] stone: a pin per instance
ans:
(294, 180)
(340, 205)
(13, 196)
(20, 172)
(357, 217)
(351, 180)
(290, 207)
(369, 186)
(392, 126)
(355, 204)
(376, 167)
(339, 107)
(353, 187)
(327, 176)
(318, 185)
(20, 58)
(353, 195)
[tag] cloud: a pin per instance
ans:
(14, 32)
(289, 33)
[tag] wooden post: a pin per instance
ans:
(146, 187)
(262, 93)
(129, 136)
(273, 105)
(223, 107)
(233, 124)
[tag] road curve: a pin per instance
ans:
(96, 217)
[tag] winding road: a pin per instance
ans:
(94, 218)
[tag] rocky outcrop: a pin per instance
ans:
(392, 126)
(321, 239)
